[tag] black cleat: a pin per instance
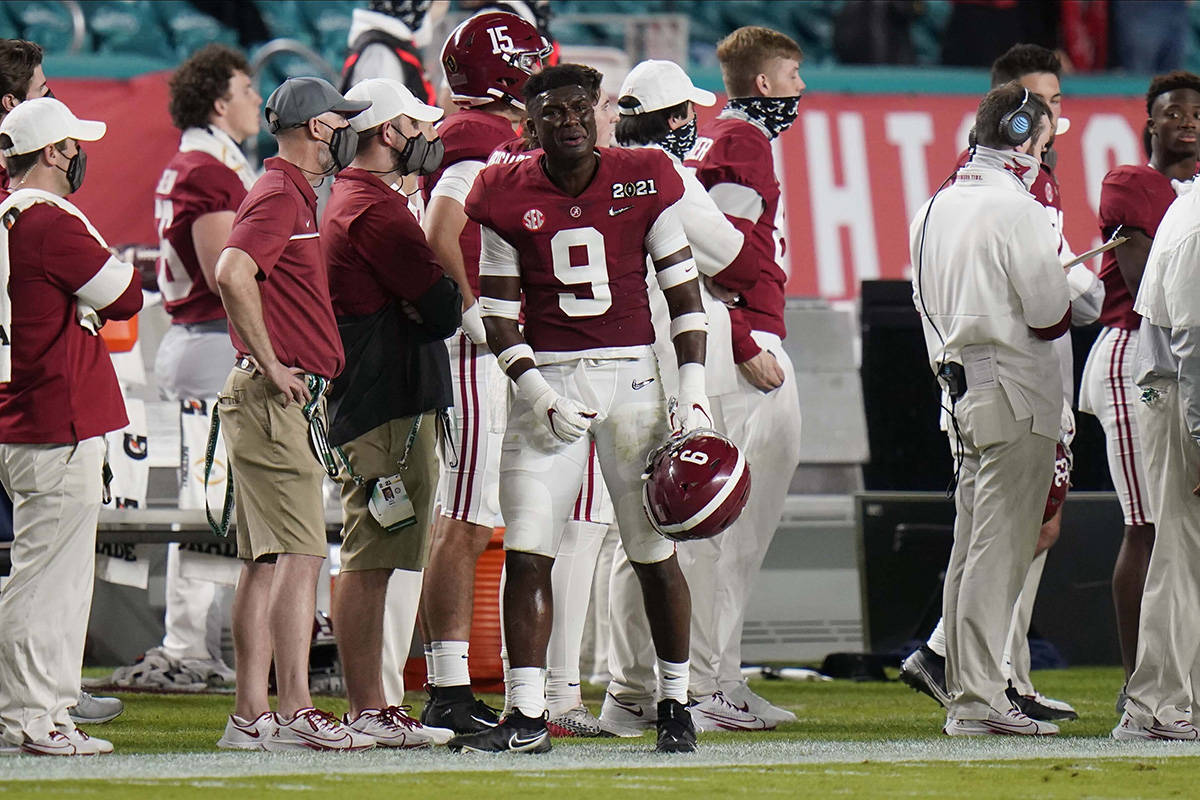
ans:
(925, 671)
(456, 708)
(516, 733)
(1041, 708)
(432, 690)
(676, 734)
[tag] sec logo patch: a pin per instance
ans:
(533, 220)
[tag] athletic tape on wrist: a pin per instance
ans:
(677, 274)
(511, 355)
(691, 379)
(495, 307)
(692, 321)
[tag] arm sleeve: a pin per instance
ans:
(666, 235)
(395, 248)
(457, 180)
(82, 267)
(715, 241)
(262, 229)
(497, 258)
(1034, 270)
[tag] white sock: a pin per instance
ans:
(937, 639)
(430, 667)
(673, 681)
(450, 664)
(527, 687)
(562, 691)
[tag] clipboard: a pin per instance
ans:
(1109, 245)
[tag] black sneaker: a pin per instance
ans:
(432, 690)
(1036, 706)
(676, 734)
(925, 671)
(456, 708)
(516, 733)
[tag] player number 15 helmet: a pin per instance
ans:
(696, 485)
(490, 56)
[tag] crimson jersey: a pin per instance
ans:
(192, 184)
(468, 135)
(1135, 197)
(581, 260)
(733, 151)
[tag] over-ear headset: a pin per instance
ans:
(1017, 125)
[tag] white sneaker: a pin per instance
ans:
(313, 729)
(392, 727)
(1009, 723)
(1180, 730)
(744, 698)
(101, 747)
(578, 722)
(154, 669)
(241, 734)
(57, 743)
(91, 710)
(627, 719)
(716, 713)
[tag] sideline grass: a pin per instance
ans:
(851, 740)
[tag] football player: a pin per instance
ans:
(570, 230)
(487, 60)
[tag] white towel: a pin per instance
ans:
(220, 146)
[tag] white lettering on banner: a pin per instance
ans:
(834, 207)
(911, 132)
(1108, 140)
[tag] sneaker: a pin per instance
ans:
(744, 698)
(393, 727)
(313, 729)
(215, 673)
(95, 710)
(241, 734)
(925, 671)
(154, 669)
(57, 743)
(1038, 706)
(578, 722)
(1009, 723)
(516, 733)
(460, 713)
(82, 741)
(1180, 730)
(626, 719)
(676, 731)
(715, 713)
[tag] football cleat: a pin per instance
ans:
(716, 713)
(925, 671)
(313, 729)
(696, 485)
(628, 719)
(676, 731)
(1038, 706)
(516, 733)
(578, 722)
(490, 56)
(459, 713)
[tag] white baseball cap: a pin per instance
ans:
(389, 99)
(657, 85)
(33, 124)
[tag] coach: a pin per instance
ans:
(992, 296)
(275, 290)
(58, 397)
(394, 306)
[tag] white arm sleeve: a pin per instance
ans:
(456, 181)
(715, 241)
(738, 201)
(109, 283)
(497, 258)
(666, 235)
(1035, 271)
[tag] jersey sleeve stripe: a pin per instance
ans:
(108, 284)
(738, 201)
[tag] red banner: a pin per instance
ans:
(855, 169)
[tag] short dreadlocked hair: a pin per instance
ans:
(1021, 60)
(1161, 84)
(564, 75)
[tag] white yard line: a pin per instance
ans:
(216, 767)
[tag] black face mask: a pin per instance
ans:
(420, 155)
(76, 169)
(776, 114)
(679, 141)
(342, 146)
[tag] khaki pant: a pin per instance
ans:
(45, 603)
(999, 502)
(1168, 636)
(276, 476)
(376, 454)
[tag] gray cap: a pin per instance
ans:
(297, 100)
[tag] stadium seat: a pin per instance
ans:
(126, 26)
(928, 27)
(330, 23)
(191, 29)
(285, 20)
(47, 23)
(8, 26)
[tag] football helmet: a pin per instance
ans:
(696, 485)
(490, 56)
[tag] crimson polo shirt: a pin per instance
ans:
(63, 386)
(276, 226)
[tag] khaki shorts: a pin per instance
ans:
(376, 454)
(276, 477)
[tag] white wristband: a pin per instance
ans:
(532, 385)
(692, 321)
(691, 379)
(676, 274)
(495, 307)
(511, 355)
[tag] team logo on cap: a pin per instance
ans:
(534, 219)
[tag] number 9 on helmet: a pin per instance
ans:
(696, 485)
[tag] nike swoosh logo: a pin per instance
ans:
(483, 721)
(251, 732)
(612, 212)
(640, 385)
(632, 709)
(519, 742)
(744, 708)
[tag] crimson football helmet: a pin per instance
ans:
(490, 56)
(696, 485)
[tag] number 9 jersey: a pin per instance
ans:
(581, 260)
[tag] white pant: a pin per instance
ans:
(1168, 636)
(399, 619)
(468, 489)
(1107, 390)
(45, 603)
(541, 476)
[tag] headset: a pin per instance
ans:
(1016, 127)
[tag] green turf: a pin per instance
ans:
(868, 717)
